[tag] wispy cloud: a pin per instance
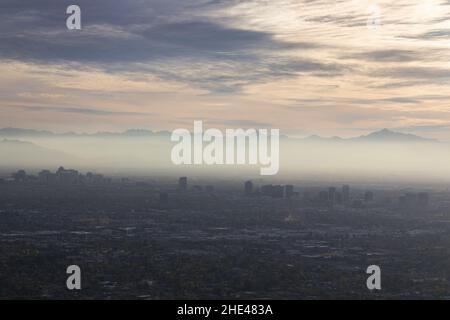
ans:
(84, 111)
(305, 65)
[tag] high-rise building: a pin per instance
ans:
(43, 176)
(274, 191)
(409, 201)
(163, 197)
(248, 188)
(423, 199)
(182, 184)
(332, 194)
(338, 198)
(289, 191)
(20, 176)
(346, 194)
(67, 176)
(96, 179)
(277, 191)
(368, 196)
(323, 197)
(267, 190)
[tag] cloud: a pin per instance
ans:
(206, 36)
(263, 56)
(426, 128)
(392, 55)
(103, 45)
(386, 101)
(85, 111)
(165, 38)
(441, 34)
(434, 74)
(233, 123)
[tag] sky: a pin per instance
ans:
(342, 68)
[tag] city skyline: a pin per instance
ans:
(254, 233)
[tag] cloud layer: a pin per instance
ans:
(302, 66)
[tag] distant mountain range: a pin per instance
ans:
(21, 153)
(388, 135)
(384, 135)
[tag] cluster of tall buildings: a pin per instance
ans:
(333, 196)
(182, 184)
(61, 176)
(411, 200)
(274, 191)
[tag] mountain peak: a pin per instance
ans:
(387, 135)
(385, 131)
(383, 135)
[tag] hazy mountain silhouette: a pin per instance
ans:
(316, 138)
(383, 152)
(384, 135)
(22, 153)
(18, 132)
